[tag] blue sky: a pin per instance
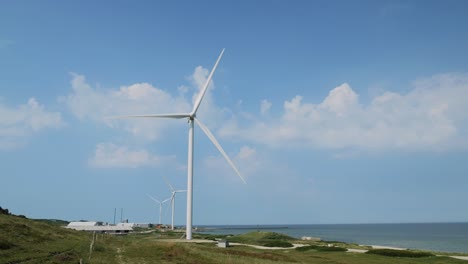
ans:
(334, 111)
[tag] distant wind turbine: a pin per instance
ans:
(160, 205)
(174, 192)
(191, 117)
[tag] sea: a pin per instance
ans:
(443, 237)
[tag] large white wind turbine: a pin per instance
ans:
(174, 192)
(160, 205)
(191, 120)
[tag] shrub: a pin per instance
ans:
(210, 236)
(276, 236)
(321, 248)
(305, 248)
(4, 211)
(400, 253)
(6, 245)
(278, 244)
(335, 249)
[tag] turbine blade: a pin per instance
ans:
(175, 116)
(207, 83)
(218, 146)
(168, 199)
(168, 183)
(179, 191)
(152, 198)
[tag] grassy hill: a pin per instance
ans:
(24, 240)
(28, 241)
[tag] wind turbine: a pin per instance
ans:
(174, 192)
(191, 117)
(160, 205)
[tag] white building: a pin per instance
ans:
(84, 224)
(98, 227)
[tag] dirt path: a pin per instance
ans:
(119, 256)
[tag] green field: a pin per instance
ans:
(37, 241)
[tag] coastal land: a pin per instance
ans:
(25, 240)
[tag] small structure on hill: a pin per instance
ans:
(223, 243)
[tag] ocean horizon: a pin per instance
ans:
(443, 237)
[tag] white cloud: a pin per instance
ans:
(265, 106)
(340, 100)
(433, 115)
(95, 104)
(17, 124)
(108, 155)
(247, 161)
(208, 111)
(88, 103)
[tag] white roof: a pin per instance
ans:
(83, 224)
(100, 228)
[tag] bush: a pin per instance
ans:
(278, 244)
(276, 236)
(211, 237)
(6, 245)
(321, 248)
(4, 211)
(400, 253)
(305, 248)
(335, 249)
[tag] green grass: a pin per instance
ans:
(210, 237)
(321, 248)
(283, 244)
(400, 253)
(30, 241)
(23, 239)
(54, 222)
(259, 238)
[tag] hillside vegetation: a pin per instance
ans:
(23, 240)
(28, 241)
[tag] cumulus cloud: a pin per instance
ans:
(88, 103)
(94, 104)
(433, 115)
(340, 100)
(208, 111)
(141, 98)
(246, 160)
(109, 155)
(17, 124)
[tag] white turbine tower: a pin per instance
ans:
(191, 120)
(174, 192)
(160, 205)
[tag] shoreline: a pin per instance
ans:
(442, 240)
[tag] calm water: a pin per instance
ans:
(447, 237)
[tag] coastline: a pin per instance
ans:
(436, 237)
